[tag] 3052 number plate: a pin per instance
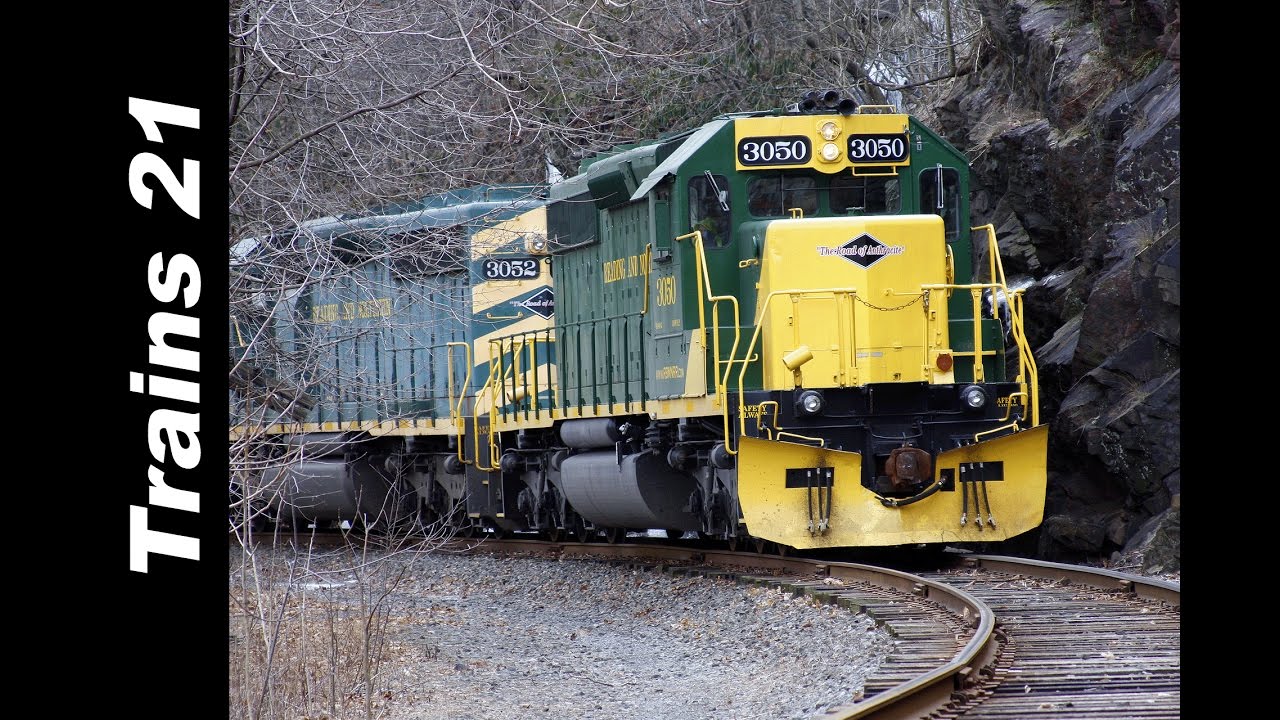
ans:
(510, 269)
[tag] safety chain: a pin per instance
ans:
(890, 309)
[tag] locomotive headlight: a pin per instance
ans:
(829, 131)
(538, 244)
(973, 397)
(809, 403)
(830, 152)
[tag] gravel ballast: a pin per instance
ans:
(478, 637)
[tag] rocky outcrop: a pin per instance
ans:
(1073, 123)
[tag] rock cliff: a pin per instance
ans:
(1073, 120)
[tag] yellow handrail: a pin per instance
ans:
(704, 277)
(235, 323)
(1028, 360)
(979, 375)
(475, 421)
(975, 291)
(497, 391)
(768, 430)
(1028, 373)
(456, 415)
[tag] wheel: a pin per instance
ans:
(555, 534)
(615, 535)
(759, 545)
(674, 534)
(782, 550)
(586, 534)
(734, 543)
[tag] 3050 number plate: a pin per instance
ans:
(785, 150)
(878, 148)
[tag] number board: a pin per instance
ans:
(782, 150)
(525, 268)
(878, 148)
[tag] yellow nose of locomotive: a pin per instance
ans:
(848, 292)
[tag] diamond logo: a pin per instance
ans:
(862, 250)
(542, 303)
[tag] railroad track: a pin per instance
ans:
(1079, 643)
(980, 637)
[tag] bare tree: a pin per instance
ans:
(336, 107)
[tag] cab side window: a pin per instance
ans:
(709, 208)
(940, 195)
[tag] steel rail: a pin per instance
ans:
(1148, 588)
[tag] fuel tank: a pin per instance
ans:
(641, 492)
(330, 490)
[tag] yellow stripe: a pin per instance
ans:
(485, 242)
(531, 324)
(398, 426)
(488, 293)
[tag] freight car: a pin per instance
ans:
(774, 327)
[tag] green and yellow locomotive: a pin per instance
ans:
(349, 370)
(768, 328)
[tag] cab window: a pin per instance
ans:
(871, 195)
(775, 195)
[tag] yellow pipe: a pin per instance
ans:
(822, 442)
(1011, 426)
(648, 261)
(978, 374)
